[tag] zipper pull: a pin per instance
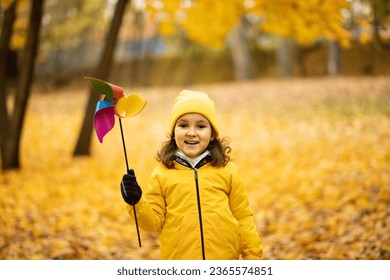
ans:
(196, 174)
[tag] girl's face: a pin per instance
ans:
(193, 133)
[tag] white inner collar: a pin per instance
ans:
(193, 161)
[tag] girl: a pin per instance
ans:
(196, 198)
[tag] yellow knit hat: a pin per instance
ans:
(193, 102)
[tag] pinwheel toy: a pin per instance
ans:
(115, 103)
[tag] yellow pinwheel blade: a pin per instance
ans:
(129, 106)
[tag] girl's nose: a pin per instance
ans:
(191, 131)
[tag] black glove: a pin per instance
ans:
(131, 191)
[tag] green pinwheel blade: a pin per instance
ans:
(101, 87)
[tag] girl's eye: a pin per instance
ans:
(201, 126)
(182, 125)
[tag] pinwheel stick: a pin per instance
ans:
(124, 145)
(115, 103)
(128, 170)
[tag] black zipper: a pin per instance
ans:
(199, 213)
(200, 164)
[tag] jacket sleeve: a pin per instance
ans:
(251, 247)
(151, 209)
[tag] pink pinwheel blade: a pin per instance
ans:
(104, 119)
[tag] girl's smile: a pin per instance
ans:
(193, 133)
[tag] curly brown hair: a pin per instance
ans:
(219, 150)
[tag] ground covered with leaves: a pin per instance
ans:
(314, 155)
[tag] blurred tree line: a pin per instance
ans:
(52, 36)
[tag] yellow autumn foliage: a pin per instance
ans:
(314, 155)
(209, 22)
(305, 21)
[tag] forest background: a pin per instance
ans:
(302, 89)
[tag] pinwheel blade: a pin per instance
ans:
(130, 106)
(110, 91)
(104, 119)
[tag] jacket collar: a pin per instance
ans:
(193, 163)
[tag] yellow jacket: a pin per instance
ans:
(170, 206)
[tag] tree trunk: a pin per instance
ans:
(238, 41)
(13, 139)
(5, 38)
(284, 56)
(102, 72)
(380, 11)
(334, 64)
